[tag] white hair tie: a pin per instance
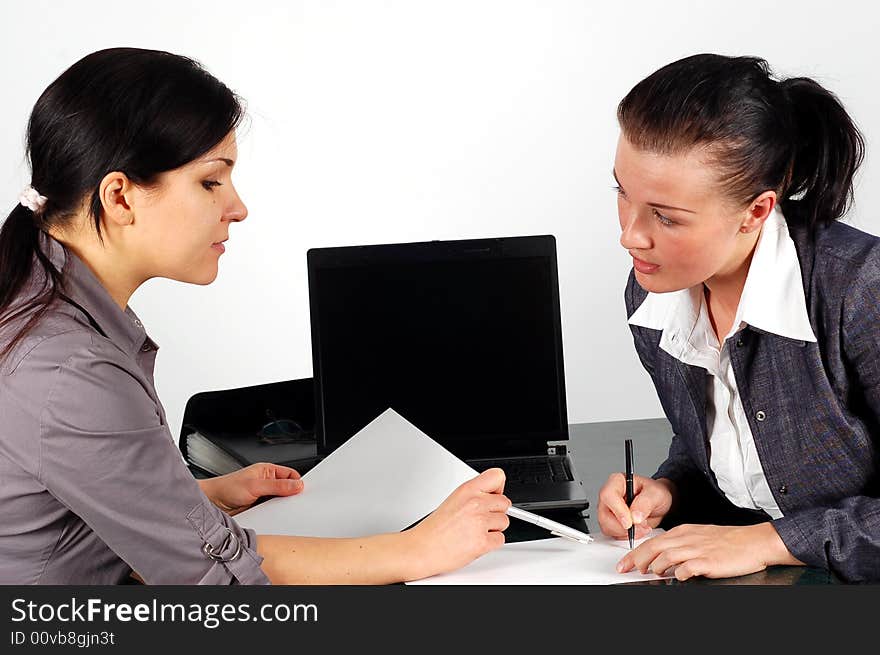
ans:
(32, 199)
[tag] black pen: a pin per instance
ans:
(629, 488)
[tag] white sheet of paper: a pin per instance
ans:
(547, 562)
(383, 479)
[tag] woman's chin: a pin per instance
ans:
(202, 278)
(657, 283)
(207, 278)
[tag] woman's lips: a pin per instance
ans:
(644, 267)
(219, 246)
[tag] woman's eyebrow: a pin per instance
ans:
(654, 204)
(228, 162)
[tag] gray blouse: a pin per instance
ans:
(92, 485)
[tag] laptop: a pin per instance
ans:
(462, 338)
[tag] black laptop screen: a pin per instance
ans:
(467, 346)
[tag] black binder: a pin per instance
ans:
(233, 419)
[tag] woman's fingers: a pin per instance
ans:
(498, 503)
(612, 498)
(275, 487)
(490, 481)
(285, 472)
(497, 522)
(614, 509)
(609, 523)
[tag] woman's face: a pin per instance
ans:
(674, 222)
(184, 220)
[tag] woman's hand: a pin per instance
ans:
(713, 551)
(235, 492)
(652, 499)
(469, 523)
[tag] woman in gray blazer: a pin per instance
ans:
(757, 315)
(132, 153)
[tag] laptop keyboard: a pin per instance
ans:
(528, 470)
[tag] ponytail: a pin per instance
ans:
(19, 246)
(18, 241)
(828, 150)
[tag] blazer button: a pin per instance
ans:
(739, 343)
(760, 415)
(783, 489)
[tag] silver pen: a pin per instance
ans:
(559, 529)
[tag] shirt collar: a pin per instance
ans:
(772, 300)
(82, 288)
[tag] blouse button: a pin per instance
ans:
(739, 343)
(760, 415)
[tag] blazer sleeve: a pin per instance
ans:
(845, 538)
(106, 454)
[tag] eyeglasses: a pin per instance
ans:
(283, 430)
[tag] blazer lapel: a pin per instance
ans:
(694, 379)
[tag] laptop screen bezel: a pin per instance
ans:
(543, 246)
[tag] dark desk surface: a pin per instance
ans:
(597, 451)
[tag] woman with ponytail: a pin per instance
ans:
(131, 154)
(757, 315)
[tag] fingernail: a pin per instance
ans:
(638, 517)
(620, 566)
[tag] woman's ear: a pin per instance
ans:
(116, 192)
(758, 212)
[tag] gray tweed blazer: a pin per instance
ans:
(813, 409)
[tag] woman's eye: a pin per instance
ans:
(663, 219)
(619, 191)
(210, 184)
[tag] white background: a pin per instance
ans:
(379, 122)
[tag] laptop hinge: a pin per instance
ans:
(513, 448)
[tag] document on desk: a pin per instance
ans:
(383, 479)
(547, 562)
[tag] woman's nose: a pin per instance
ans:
(633, 235)
(237, 210)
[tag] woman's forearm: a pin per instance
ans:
(378, 559)
(468, 524)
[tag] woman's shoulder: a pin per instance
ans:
(60, 334)
(850, 244)
(839, 258)
(66, 373)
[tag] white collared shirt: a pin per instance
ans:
(773, 301)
